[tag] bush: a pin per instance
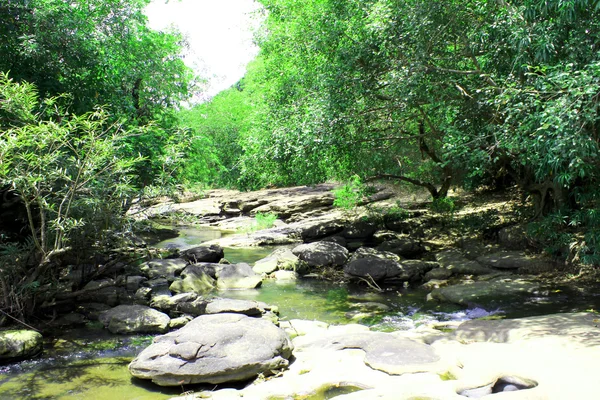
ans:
(348, 196)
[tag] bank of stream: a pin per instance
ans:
(91, 363)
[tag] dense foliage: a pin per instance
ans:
(433, 93)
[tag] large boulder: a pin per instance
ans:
(237, 276)
(321, 254)
(211, 253)
(246, 307)
(381, 265)
(214, 349)
(19, 344)
(135, 319)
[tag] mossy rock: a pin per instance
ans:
(19, 344)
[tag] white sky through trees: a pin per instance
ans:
(219, 33)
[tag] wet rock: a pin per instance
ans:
(214, 349)
(321, 254)
(180, 322)
(211, 253)
(19, 344)
(415, 269)
(434, 284)
(195, 279)
(158, 286)
(135, 319)
(489, 293)
(110, 295)
(237, 276)
(246, 307)
(437, 274)
(134, 282)
(195, 308)
(92, 310)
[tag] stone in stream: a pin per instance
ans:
(211, 253)
(495, 292)
(321, 254)
(135, 319)
(162, 268)
(194, 278)
(246, 307)
(280, 259)
(237, 276)
(458, 264)
(214, 349)
(19, 344)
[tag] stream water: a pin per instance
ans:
(91, 364)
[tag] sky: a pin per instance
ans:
(219, 33)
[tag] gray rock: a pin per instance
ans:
(134, 282)
(438, 273)
(280, 259)
(160, 268)
(402, 246)
(246, 307)
(383, 351)
(211, 253)
(281, 276)
(516, 260)
(456, 262)
(374, 267)
(359, 230)
(237, 276)
(335, 239)
(135, 319)
(194, 278)
(489, 293)
(19, 344)
(214, 349)
(195, 308)
(322, 254)
(180, 322)
(170, 303)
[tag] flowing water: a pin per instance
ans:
(91, 364)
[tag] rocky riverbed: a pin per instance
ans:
(214, 331)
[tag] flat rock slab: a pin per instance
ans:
(579, 328)
(135, 319)
(214, 349)
(246, 307)
(486, 293)
(383, 351)
(19, 344)
(458, 264)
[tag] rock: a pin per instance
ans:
(456, 262)
(237, 276)
(158, 286)
(170, 303)
(491, 293)
(359, 230)
(402, 246)
(321, 254)
(135, 319)
(195, 308)
(438, 273)
(160, 268)
(580, 330)
(281, 276)
(110, 295)
(246, 307)
(383, 351)
(516, 260)
(434, 284)
(19, 344)
(196, 279)
(211, 253)
(180, 322)
(282, 259)
(374, 267)
(92, 310)
(415, 269)
(335, 239)
(513, 237)
(134, 282)
(214, 349)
